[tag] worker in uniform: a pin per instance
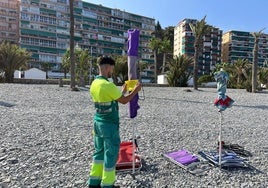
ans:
(106, 96)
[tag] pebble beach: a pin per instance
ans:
(46, 136)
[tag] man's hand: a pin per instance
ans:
(128, 97)
(138, 87)
(124, 88)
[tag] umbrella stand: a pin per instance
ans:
(133, 148)
(220, 143)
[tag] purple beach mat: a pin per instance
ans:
(182, 156)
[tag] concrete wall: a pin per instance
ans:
(41, 81)
(17, 74)
(162, 79)
(34, 73)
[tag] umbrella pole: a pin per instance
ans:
(220, 143)
(133, 148)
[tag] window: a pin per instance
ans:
(62, 1)
(35, 17)
(3, 18)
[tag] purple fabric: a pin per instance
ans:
(182, 156)
(134, 106)
(133, 42)
(133, 45)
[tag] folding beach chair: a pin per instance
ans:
(189, 162)
(238, 149)
(228, 158)
(128, 159)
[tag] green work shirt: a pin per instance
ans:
(104, 94)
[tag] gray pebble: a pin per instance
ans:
(46, 136)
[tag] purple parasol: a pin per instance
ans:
(133, 44)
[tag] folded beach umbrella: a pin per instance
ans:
(128, 152)
(222, 102)
(133, 44)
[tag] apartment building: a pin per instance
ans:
(9, 20)
(44, 30)
(239, 45)
(184, 44)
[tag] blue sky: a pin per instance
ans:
(251, 16)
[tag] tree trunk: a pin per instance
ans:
(72, 58)
(164, 62)
(155, 66)
(195, 74)
(9, 76)
(82, 80)
(255, 65)
(65, 73)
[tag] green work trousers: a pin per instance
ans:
(106, 143)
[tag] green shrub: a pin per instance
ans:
(2, 77)
(248, 86)
(205, 79)
(178, 71)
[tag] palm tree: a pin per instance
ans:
(165, 48)
(256, 36)
(46, 66)
(66, 62)
(200, 29)
(239, 73)
(12, 58)
(240, 70)
(154, 44)
(178, 71)
(263, 76)
(142, 66)
(72, 56)
(120, 73)
(83, 64)
(169, 35)
(158, 33)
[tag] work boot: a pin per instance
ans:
(98, 186)
(94, 186)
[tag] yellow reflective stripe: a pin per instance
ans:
(103, 103)
(104, 107)
(96, 170)
(98, 161)
(108, 169)
(108, 177)
(94, 178)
